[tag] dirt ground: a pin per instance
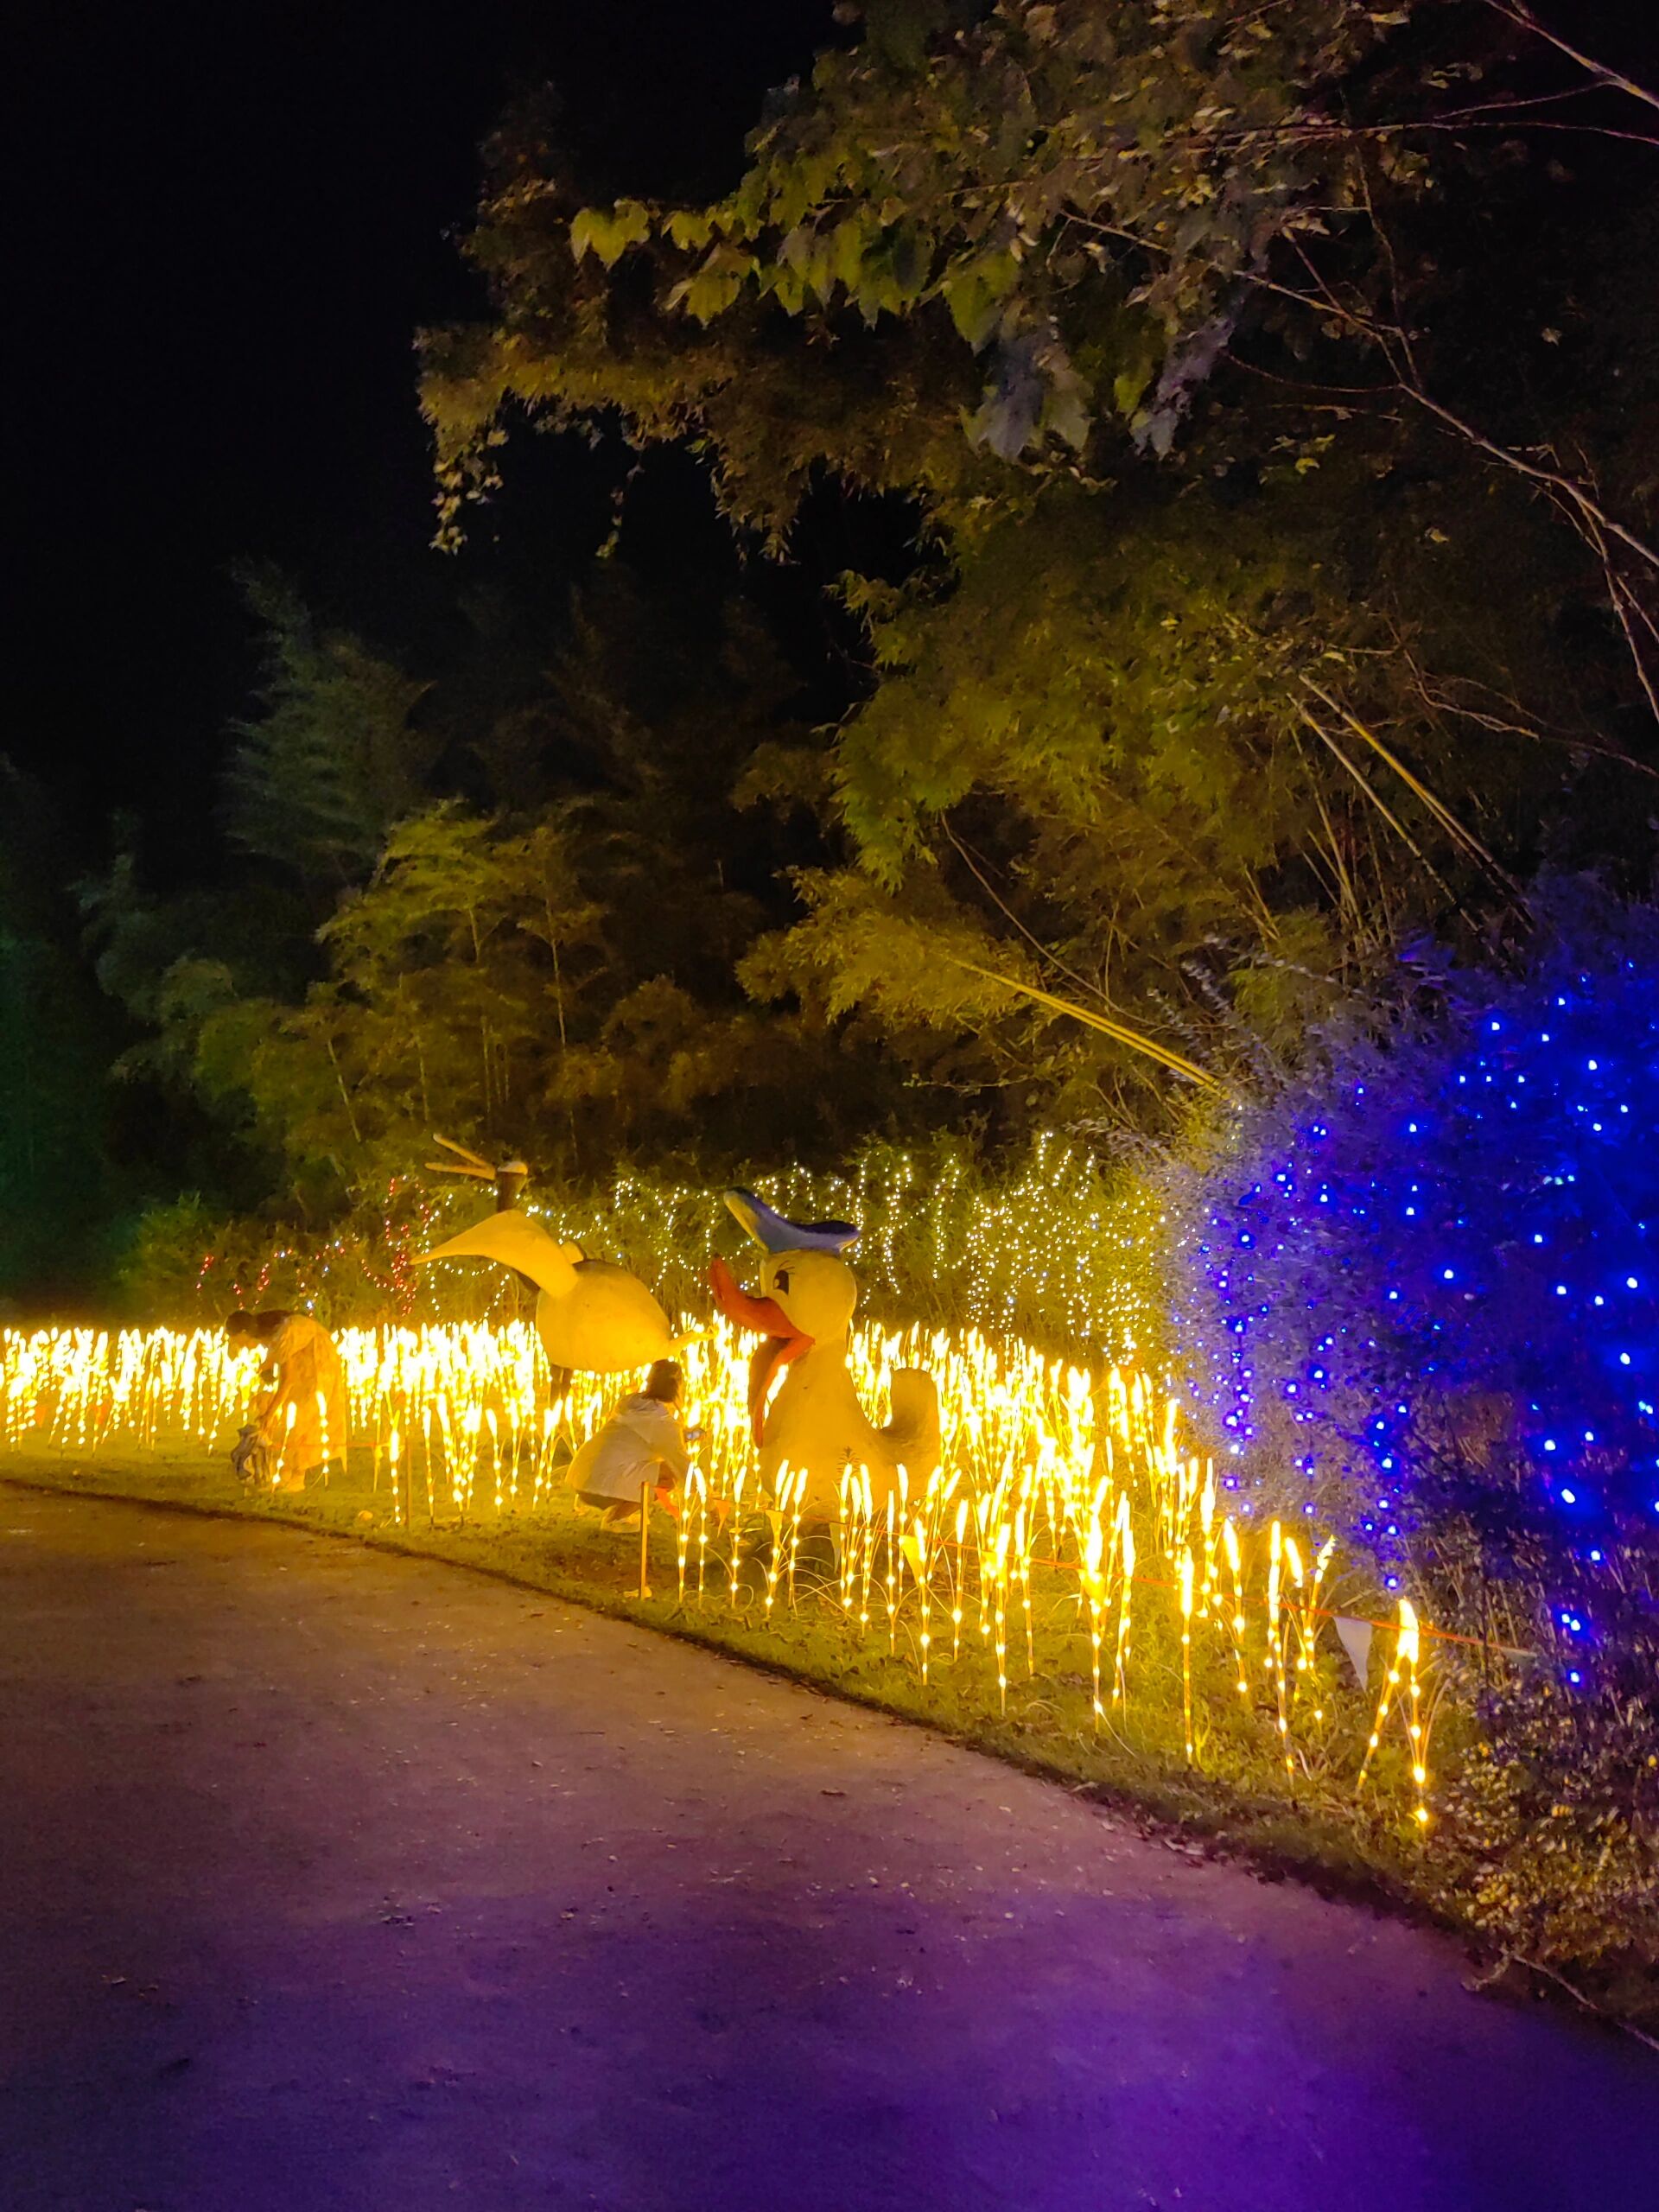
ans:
(338, 1880)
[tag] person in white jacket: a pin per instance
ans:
(642, 1442)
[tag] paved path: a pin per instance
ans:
(334, 1881)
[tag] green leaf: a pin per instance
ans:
(878, 288)
(1066, 415)
(609, 236)
(849, 248)
(1129, 387)
(785, 287)
(713, 287)
(818, 268)
(976, 291)
(690, 228)
(911, 259)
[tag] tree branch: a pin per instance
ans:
(1518, 13)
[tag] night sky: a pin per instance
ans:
(234, 218)
(228, 224)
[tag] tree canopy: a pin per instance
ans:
(1252, 614)
(1170, 527)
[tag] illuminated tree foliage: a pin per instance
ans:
(1159, 393)
(537, 952)
(1236, 630)
(988, 174)
(318, 779)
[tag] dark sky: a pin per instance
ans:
(229, 220)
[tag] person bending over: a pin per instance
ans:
(305, 1421)
(642, 1442)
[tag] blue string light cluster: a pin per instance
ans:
(1433, 1281)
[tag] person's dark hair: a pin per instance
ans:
(257, 1328)
(665, 1382)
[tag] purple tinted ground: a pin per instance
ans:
(338, 1881)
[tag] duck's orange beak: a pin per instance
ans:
(764, 1318)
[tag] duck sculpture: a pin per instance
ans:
(803, 1312)
(593, 1317)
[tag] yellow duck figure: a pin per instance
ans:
(815, 1425)
(593, 1318)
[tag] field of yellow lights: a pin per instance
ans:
(1069, 1544)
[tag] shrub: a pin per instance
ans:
(1418, 1293)
(1054, 1249)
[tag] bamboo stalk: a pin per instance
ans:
(1120, 1031)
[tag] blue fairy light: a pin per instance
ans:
(1463, 1214)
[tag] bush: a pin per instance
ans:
(1553, 1820)
(1055, 1250)
(1419, 1293)
(190, 1265)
